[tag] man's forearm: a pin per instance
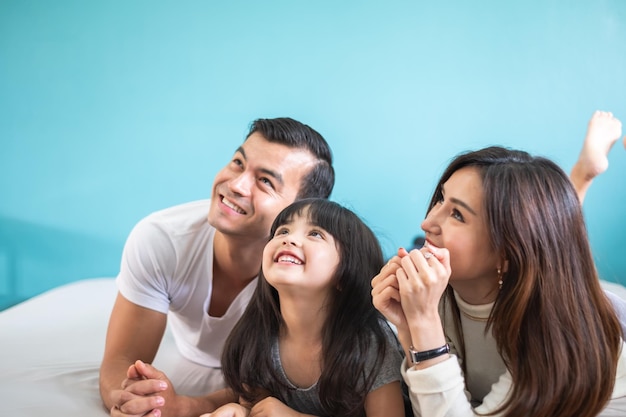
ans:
(112, 374)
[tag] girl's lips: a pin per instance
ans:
(287, 256)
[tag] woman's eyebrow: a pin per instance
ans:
(457, 201)
(463, 204)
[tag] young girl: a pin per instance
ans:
(310, 340)
(502, 313)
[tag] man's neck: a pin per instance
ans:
(235, 264)
(237, 259)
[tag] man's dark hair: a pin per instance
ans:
(319, 181)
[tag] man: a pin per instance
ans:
(203, 269)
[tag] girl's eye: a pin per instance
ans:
(281, 231)
(316, 233)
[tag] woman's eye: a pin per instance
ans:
(457, 215)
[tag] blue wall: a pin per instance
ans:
(112, 109)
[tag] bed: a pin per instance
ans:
(51, 347)
(52, 344)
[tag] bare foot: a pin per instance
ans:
(602, 132)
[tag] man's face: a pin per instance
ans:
(261, 179)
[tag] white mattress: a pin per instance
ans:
(50, 351)
(51, 347)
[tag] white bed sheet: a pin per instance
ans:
(51, 347)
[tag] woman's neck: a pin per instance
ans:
(476, 292)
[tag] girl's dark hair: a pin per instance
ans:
(555, 328)
(347, 334)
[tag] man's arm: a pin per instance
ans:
(134, 333)
(145, 385)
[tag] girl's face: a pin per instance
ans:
(457, 222)
(301, 256)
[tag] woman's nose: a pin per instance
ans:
(431, 224)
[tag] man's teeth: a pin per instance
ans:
(232, 206)
(292, 259)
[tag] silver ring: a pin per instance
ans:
(428, 255)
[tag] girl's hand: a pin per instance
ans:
(272, 407)
(386, 294)
(229, 410)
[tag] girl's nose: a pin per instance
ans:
(290, 240)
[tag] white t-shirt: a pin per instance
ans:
(167, 266)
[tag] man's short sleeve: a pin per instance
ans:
(148, 264)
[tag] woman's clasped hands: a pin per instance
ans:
(409, 287)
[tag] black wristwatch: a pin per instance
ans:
(417, 357)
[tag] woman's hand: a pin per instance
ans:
(422, 279)
(386, 293)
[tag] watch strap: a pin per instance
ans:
(417, 357)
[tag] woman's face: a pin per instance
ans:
(458, 223)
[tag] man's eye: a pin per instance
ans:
(267, 182)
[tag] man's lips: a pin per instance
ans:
(231, 205)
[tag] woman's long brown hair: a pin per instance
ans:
(555, 329)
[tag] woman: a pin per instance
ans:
(502, 310)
